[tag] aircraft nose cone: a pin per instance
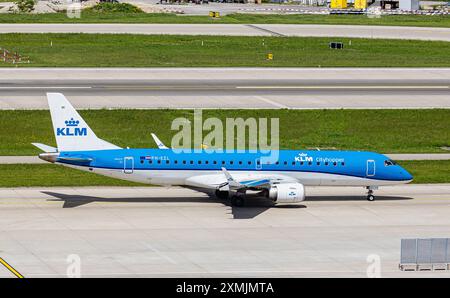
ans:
(406, 175)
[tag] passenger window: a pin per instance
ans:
(285, 163)
(159, 161)
(318, 163)
(301, 163)
(191, 162)
(342, 163)
(293, 163)
(206, 162)
(215, 162)
(176, 161)
(231, 162)
(334, 163)
(223, 162)
(167, 162)
(249, 162)
(309, 163)
(326, 163)
(184, 162)
(199, 162)
(150, 161)
(142, 161)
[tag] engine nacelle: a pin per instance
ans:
(287, 193)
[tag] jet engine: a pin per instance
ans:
(287, 193)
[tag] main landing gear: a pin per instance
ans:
(370, 196)
(237, 199)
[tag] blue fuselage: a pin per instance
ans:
(356, 164)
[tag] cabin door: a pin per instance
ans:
(370, 168)
(128, 165)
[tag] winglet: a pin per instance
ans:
(231, 182)
(158, 142)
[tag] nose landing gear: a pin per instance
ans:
(370, 195)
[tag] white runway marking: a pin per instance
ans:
(274, 103)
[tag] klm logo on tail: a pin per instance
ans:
(71, 129)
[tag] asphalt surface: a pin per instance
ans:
(292, 88)
(388, 32)
(173, 232)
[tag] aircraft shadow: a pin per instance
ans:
(355, 198)
(252, 209)
(254, 206)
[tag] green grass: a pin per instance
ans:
(100, 50)
(12, 175)
(93, 17)
(107, 7)
(428, 171)
(385, 131)
(29, 175)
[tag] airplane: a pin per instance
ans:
(231, 176)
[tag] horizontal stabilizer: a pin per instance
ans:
(45, 148)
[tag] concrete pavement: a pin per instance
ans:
(174, 232)
(356, 31)
(291, 88)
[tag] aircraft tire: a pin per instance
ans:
(237, 201)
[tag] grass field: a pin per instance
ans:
(93, 17)
(100, 50)
(385, 131)
(24, 175)
(428, 171)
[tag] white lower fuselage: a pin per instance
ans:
(182, 177)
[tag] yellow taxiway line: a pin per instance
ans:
(10, 268)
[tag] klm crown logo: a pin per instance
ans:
(71, 129)
(72, 122)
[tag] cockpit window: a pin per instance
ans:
(389, 162)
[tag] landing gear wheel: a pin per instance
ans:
(221, 194)
(237, 201)
(370, 198)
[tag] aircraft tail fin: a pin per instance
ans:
(71, 132)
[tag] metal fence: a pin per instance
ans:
(425, 254)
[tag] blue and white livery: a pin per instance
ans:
(230, 175)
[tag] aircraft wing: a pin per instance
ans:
(237, 180)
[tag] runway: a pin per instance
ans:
(357, 31)
(173, 232)
(232, 88)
